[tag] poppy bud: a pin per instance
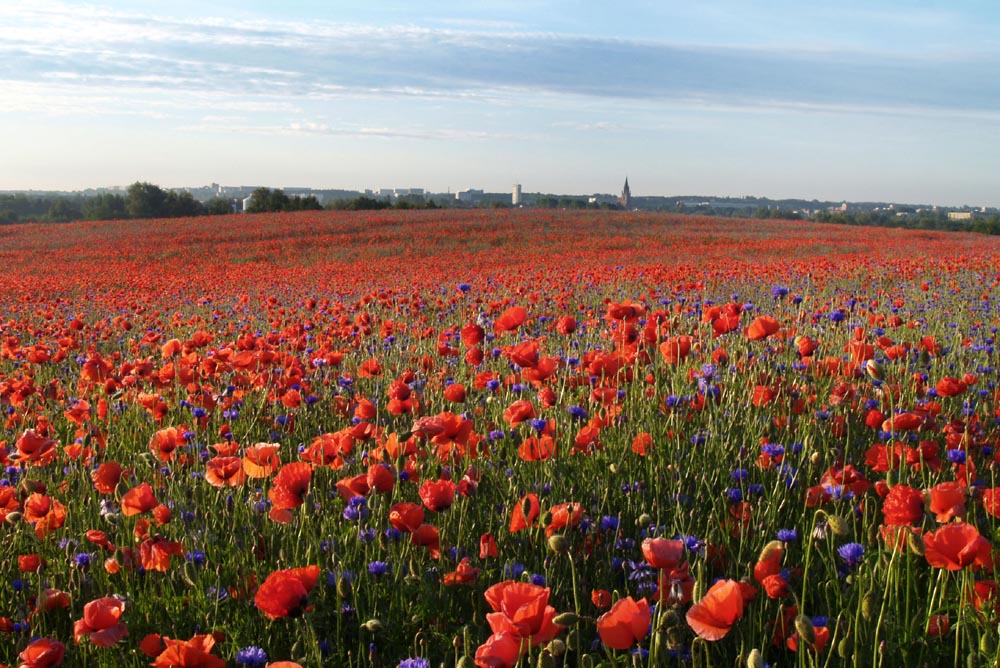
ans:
(988, 644)
(566, 619)
(344, 588)
(556, 647)
(545, 660)
(754, 659)
(466, 662)
(12, 517)
(112, 518)
(559, 544)
(838, 525)
(768, 551)
(668, 620)
(814, 459)
(874, 370)
(644, 520)
(804, 627)
(573, 640)
(29, 486)
(868, 606)
(915, 544)
(586, 661)
(845, 648)
(676, 637)
(547, 518)
(372, 626)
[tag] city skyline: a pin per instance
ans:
(866, 101)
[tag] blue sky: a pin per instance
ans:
(877, 100)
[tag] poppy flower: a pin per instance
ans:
(225, 471)
(42, 653)
(406, 517)
(626, 623)
(427, 535)
(663, 553)
(642, 444)
(155, 553)
(290, 486)
(464, 574)
(991, 501)
(601, 598)
(821, 635)
(165, 441)
(537, 449)
(510, 319)
(193, 653)
(955, 546)
(525, 512)
(762, 327)
(948, 501)
(437, 495)
(501, 650)
(676, 349)
(138, 500)
(101, 622)
(518, 412)
(261, 460)
(769, 561)
(35, 449)
(106, 477)
(487, 546)
(45, 513)
(455, 393)
(564, 515)
(721, 607)
(285, 593)
(902, 505)
(523, 609)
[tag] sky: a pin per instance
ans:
(859, 100)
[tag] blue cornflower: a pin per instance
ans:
(81, 559)
(788, 535)
(252, 656)
(378, 568)
(196, 557)
(417, 662)
(851, 553)
(539, 424)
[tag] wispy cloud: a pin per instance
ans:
(97, 54)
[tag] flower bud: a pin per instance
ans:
(372, 626)
(804, 627)
(875, 370)
(845, 648)
(838, 525)
(754, 659)
(915, 544)
(545, 660)
(556, 647)
(12, 517)
(559, 544)
(644, 520)
(566, 619)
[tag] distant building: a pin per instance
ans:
(470, 195)
(515, 197)
(960, 215)
(626, 199)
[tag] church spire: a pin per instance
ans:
(626, 199)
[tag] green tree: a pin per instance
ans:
(145, 200)
(106, 206)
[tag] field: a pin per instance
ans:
(496, 438)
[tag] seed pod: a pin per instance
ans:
(804, 627)
(556, 647)
(559, 544)
(754, 659)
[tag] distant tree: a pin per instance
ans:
(106, 206)
(63, 210)
(263, 200)
(145, 200)
(7, 216)
(218, 207)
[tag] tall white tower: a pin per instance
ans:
(516, 195)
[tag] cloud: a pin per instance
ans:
(97, 53)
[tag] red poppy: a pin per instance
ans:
(626, 623)
(193, 653)
(822, 635)
(29, 563)
(902, 505)
(165, 441)
(285, 593)
(380, 478)
(261, 460)
(721, 607)
(106, 477)
(427, 535)
(948, 501)
(676, 349)
(406, 517)
(762, 327)
(42, 653)
(518, 412)
(501, 650)
(537, 449)
(487, 546)
(991, 501)
(950, 387)
(455, 393)
(955, 546)
(437, 495)
(464, 574)
(101, 622)
(290, 486)
(523, 609)
(642, 444)
(601, 598)
(138, 500)
(525, 513)
(769, 561)
(155, 553)
(663, 553)
(510, 319)
(564, 515)
(45, 513)
(225, 471)
(35, 449)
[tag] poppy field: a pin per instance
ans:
(497, 438)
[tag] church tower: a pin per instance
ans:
(626, 199)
